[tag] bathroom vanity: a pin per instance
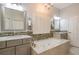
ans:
(15, 45)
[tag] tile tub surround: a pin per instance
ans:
(42, 36)
(11, 45)
(51, 46)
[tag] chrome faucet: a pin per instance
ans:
(32, 43)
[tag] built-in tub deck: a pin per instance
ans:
(51, 46)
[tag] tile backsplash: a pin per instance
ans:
(42, 36)
(16, 33)
(35, 36)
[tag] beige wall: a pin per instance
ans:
(28, 12)
(56, 11)
(71, 15)
(67, 13)
(40, 17)
(71, 11)
(0, 18)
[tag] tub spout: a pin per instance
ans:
(32, 43)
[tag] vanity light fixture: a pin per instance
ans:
(48, 5)
(56, 17)
(14, 6)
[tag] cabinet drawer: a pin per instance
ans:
(13, 43)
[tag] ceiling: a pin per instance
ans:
(58, 5)
(61, 5)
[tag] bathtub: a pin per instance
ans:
(51, 46)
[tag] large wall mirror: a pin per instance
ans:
(55, 23)
(13, 19)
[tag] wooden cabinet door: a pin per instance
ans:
(23, 49)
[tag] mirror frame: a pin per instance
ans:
(3, 24)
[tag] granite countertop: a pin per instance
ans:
(59, 31)
(15, 37)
